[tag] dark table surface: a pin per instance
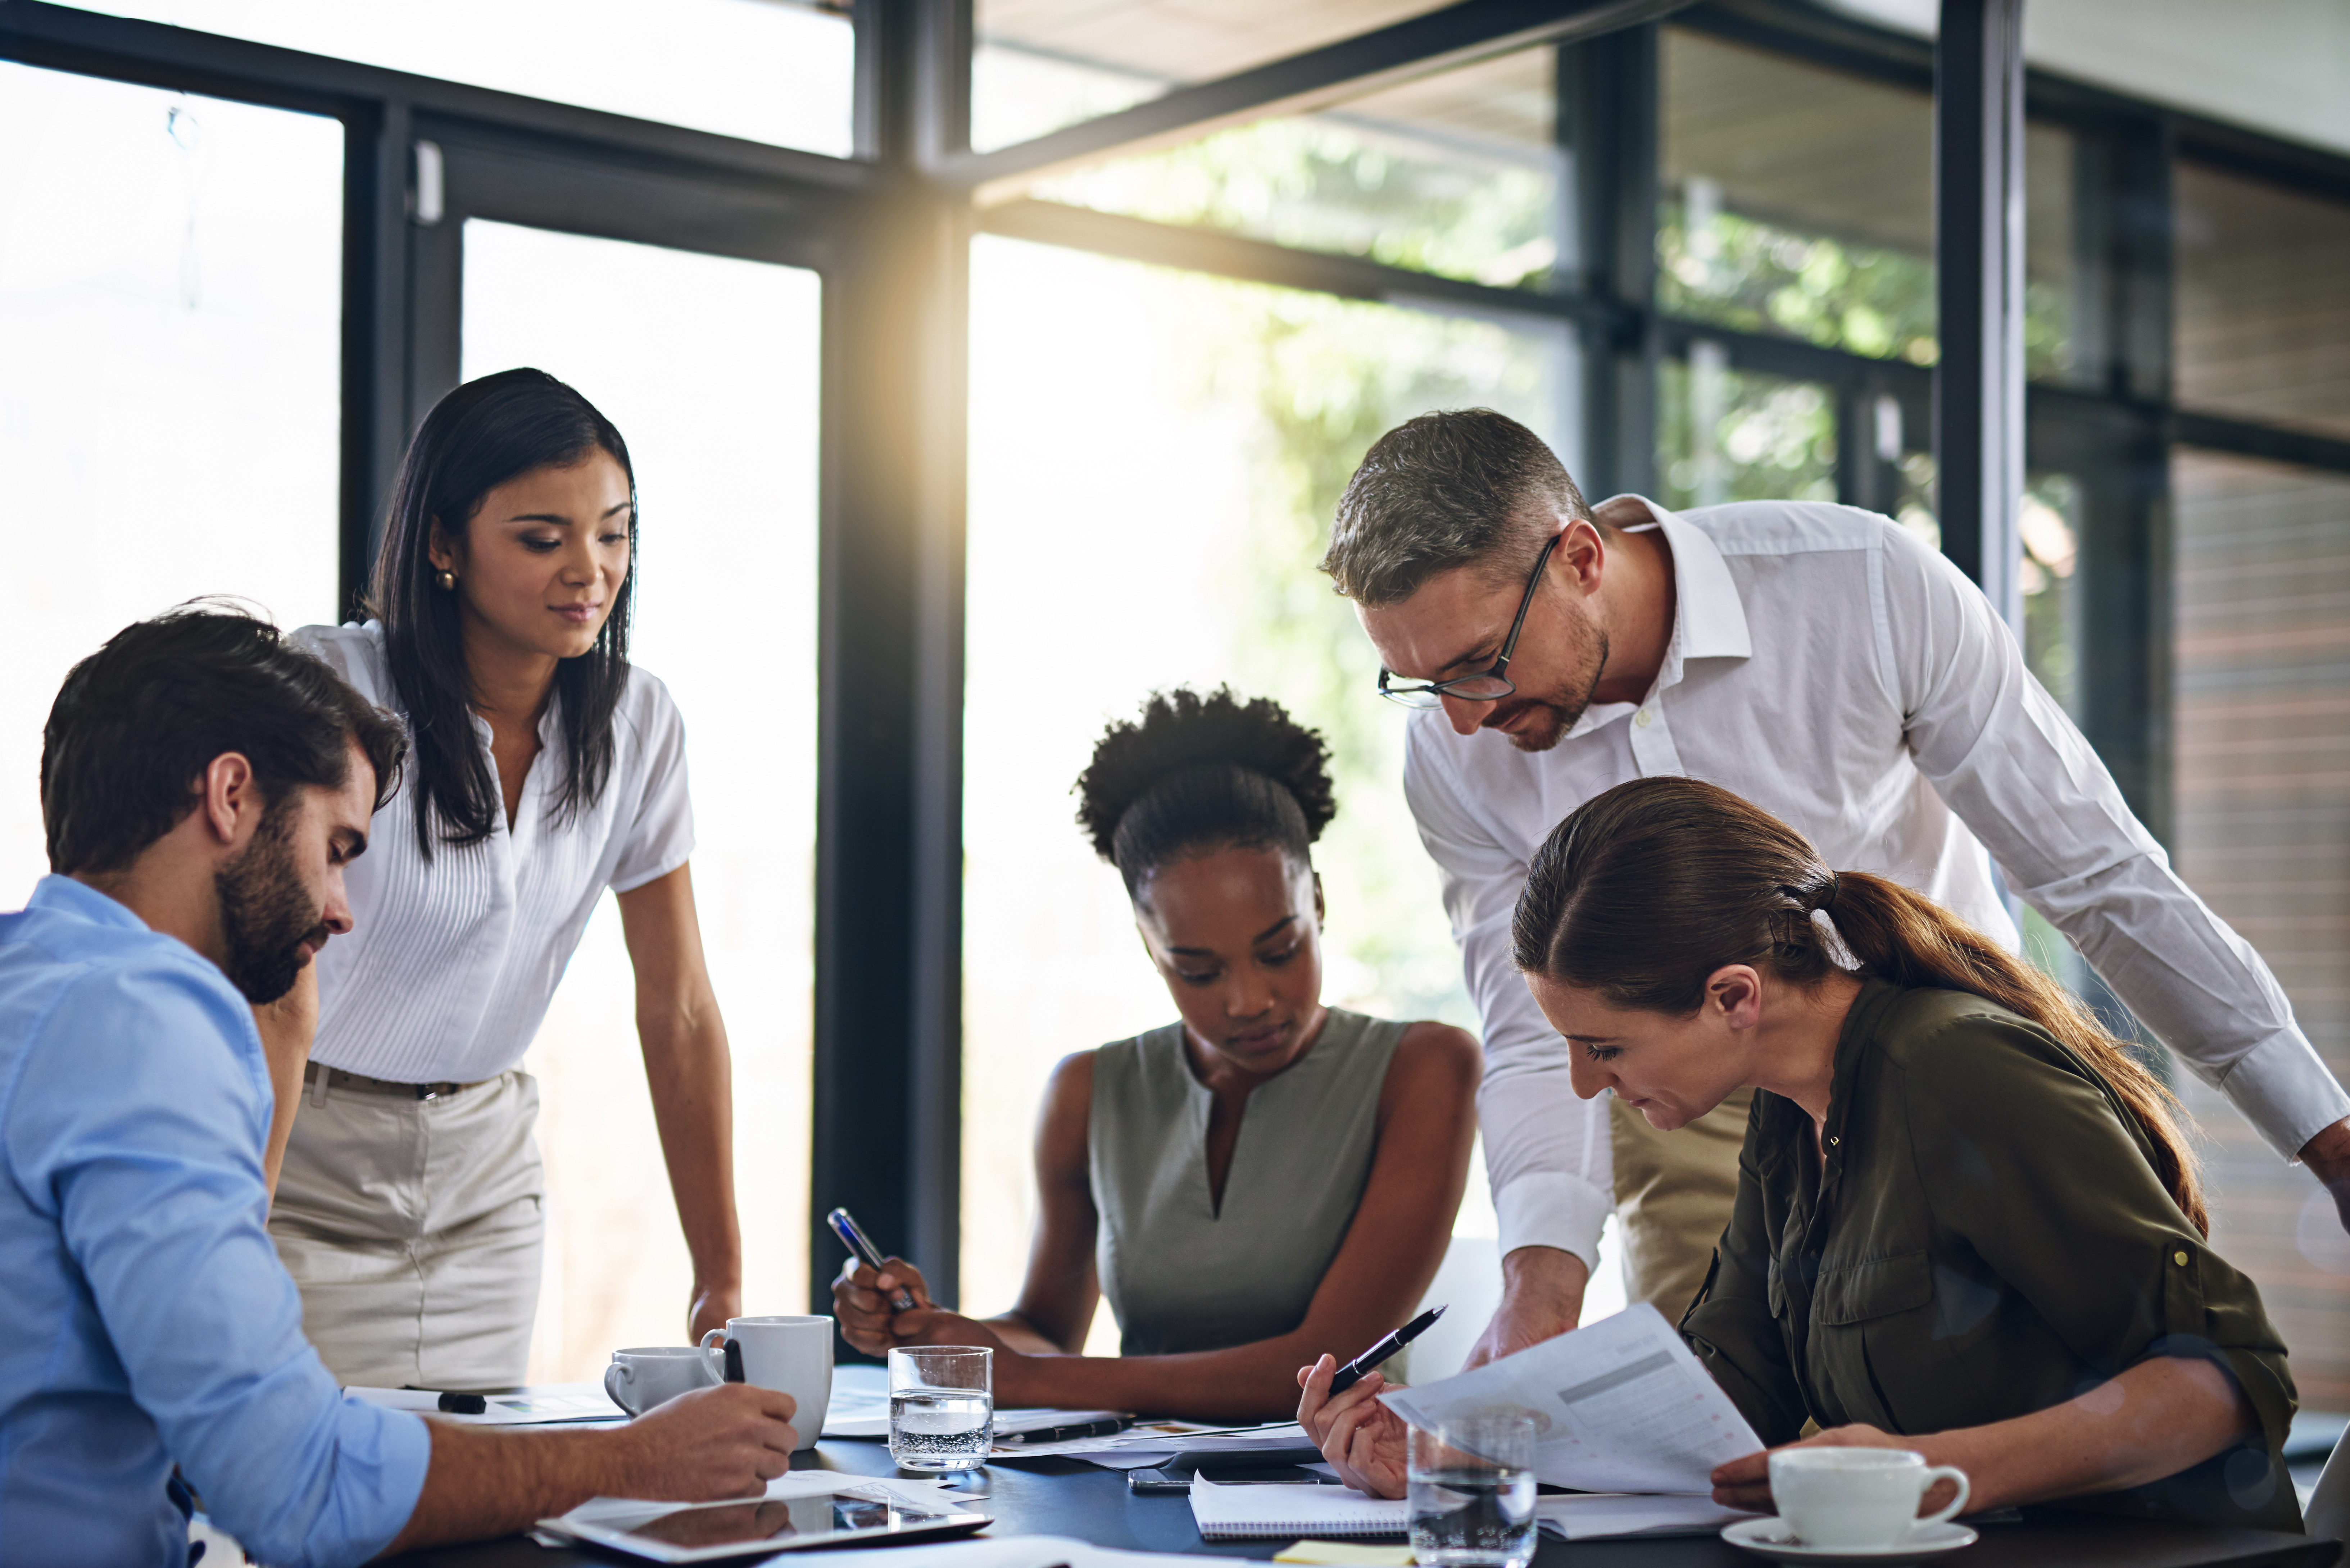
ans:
(1064, 1497)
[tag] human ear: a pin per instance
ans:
(440, 549)
(1735, 992)
(229, 796)
(1318, 908)
(1583, 553)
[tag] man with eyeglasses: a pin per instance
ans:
(1820, 662)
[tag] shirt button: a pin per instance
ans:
(2180, 1258)
(1644, 718)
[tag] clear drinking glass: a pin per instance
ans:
(1471, 1492)
(943, 1406)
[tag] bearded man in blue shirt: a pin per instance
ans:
(203, 784)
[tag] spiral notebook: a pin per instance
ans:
(1237, 1512)
(1232, 1513)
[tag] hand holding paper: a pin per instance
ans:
(1622, 1406)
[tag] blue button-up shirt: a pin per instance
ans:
(144, 1318)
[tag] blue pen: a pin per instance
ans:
(854, 1240)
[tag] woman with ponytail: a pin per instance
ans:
(1968, 1222)
(1261, 1178)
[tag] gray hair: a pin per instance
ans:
(1467, 487)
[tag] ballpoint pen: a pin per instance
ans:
(854, 1238)
(1108, 1427)
(1349, 1375)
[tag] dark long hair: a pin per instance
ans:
(482, 434)
(1645, 891)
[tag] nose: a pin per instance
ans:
(1248, 998)
(337, 916)
(1464, 716)
(1589, 1077)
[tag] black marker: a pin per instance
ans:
(1349, 1375)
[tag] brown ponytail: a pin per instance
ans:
(1645, 891)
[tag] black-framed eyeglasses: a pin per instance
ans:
(1489, 685)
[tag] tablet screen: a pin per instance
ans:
(791, 1520)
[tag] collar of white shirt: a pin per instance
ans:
(1708, 618)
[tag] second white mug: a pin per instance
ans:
(791, 1354)
(649, 1374)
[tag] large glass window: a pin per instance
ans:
(708, 365)
(780, 71)
(1797, 200)
(1155, 457)
(1458, 173)
(171, 303)
(2262, 753)
(1735, 435)
(2262, 301)
(1043, 64)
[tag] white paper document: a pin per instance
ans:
(1152, 1442)
(539, 1404)
(863, 1416)
(1619, 1406)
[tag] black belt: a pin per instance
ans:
(359, 1082)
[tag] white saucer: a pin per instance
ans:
(1771, 1537)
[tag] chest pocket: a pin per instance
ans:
(1855, 1292)
(1865, 1353)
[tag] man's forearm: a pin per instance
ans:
(487, 1483)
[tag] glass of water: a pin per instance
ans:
(1470, 1491)
(942, 1407)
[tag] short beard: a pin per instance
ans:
(1556, 717)
(267, 916)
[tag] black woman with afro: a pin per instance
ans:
(1264, 1179)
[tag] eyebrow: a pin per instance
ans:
(1472, 655)
(561, 520)
(1211, 952)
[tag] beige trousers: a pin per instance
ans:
(1673, 1193)
(414, 1228)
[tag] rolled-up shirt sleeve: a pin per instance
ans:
(156, 1188)
(2072, 1215)
(1547, 1154)
(2015, 769)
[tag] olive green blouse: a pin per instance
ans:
(1985, 1237)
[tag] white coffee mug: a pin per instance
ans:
(1857, 1497)
(652, 1375)
(793, 1354)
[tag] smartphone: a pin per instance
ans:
(1266, 1467)
(844, 1225)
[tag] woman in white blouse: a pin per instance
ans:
(547, 768)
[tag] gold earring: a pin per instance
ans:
(449, 582)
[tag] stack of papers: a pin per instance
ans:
(1251, 1512)
(538, 1405)
(860, 1416)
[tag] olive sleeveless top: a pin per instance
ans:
(1179, 1275)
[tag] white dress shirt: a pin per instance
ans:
(450, 962)
(1832, 669)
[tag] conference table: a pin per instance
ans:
(1070, 1497)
